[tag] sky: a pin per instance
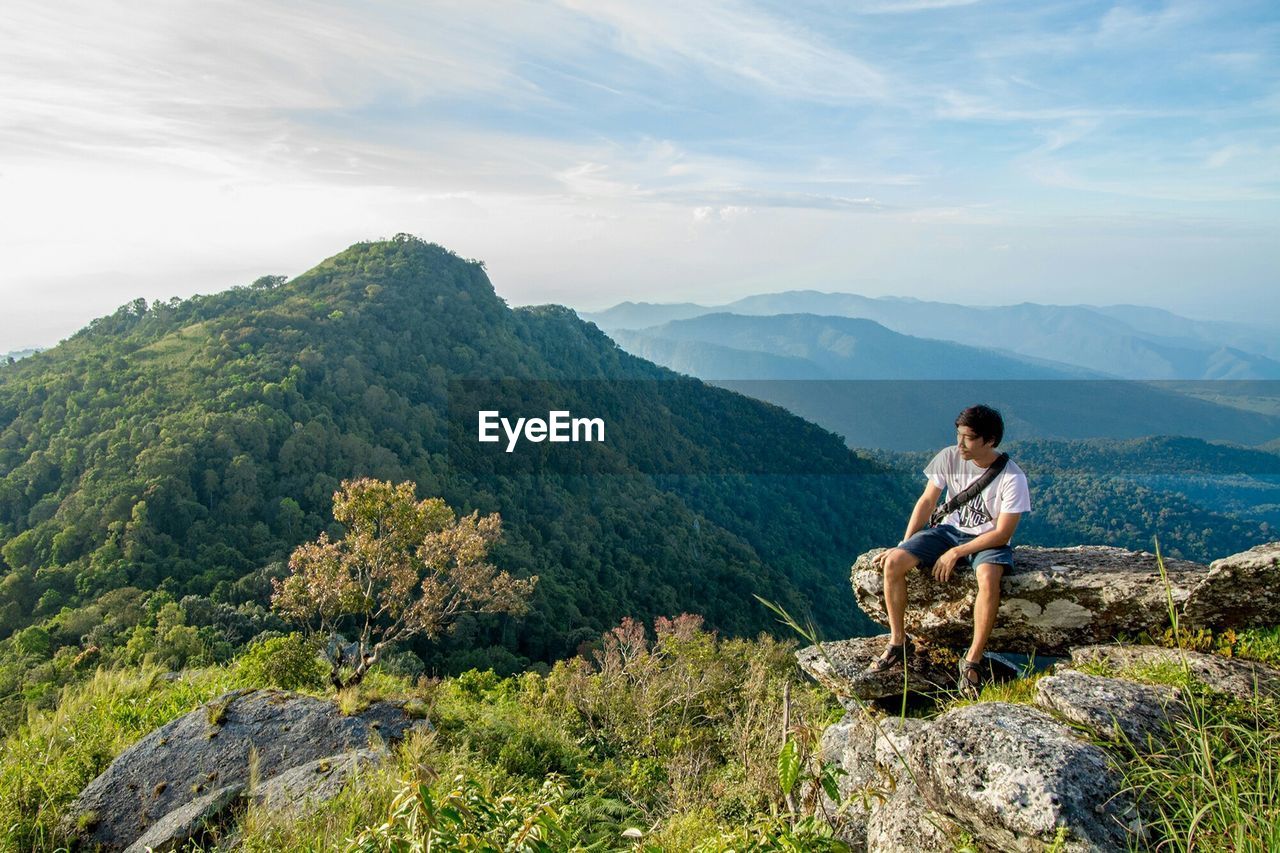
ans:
(595, 151)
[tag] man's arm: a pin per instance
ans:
(1006, 523)
(924, 508)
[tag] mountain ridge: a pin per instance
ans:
(189, 445)
(1098, 339)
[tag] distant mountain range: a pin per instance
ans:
(891, 373)
(808, 346)
(1121, 341)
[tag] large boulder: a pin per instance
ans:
(1053, 599)
(1242, 679)
(880, 808)
(850, 745)
(841, 667)
(1110, 707)
(186, 822)
(316, 781)
(1015, 777)
(900, 819)
(1240, 591)
(209, 749)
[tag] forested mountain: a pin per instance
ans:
(1202, 500)
(809, 346)
(187, 446)
(1125, 342)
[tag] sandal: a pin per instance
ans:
(893, 657)
(969, 682)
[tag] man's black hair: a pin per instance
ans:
(985, 422)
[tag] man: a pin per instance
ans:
(976, 534)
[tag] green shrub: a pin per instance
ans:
(470, 815)
(289, 662)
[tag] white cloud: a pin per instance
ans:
(738, 44)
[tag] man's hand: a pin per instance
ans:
(945, 565)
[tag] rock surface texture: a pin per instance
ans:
(208, 750)
(1054, 598)
(186, 821)
(903, 821)
(1107, 706)
(850, 745)
(1239, 591)
(1233, 676)
(1013, 775)
(315, 781)
(841, 667)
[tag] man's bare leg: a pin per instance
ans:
(985, 608)
(897, 563)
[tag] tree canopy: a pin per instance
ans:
(403, 567)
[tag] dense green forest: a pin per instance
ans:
(1203, 500)
(158, 467)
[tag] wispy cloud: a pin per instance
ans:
(738, 44)
(735, 130)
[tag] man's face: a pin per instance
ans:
(969, 444)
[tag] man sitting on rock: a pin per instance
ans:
(975, 531)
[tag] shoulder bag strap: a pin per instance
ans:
(957, 501)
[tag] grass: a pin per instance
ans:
(692, 780)
(678, 742)
(51, 757)
(1215, 783)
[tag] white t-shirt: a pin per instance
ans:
(1006, 493)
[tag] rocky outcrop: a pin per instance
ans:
(1239, 591)
(902, 820)
(1016, 777)
(850, 745)
(880, 808)
(316, 781)
(1056, 598)
(1110, 707)
(841, 667)
(209, 750)
(1052, 600)
(186, 822)
(1242, 679)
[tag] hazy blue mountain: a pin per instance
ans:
(641, 315)
(1121, 341)
(807, 346)
(713, 361)
(1259, 338)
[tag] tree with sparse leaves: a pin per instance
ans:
(404, 567)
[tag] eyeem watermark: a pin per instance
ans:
(559, 426)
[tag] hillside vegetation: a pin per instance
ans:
(158, 466)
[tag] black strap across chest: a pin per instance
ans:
(969, 491)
